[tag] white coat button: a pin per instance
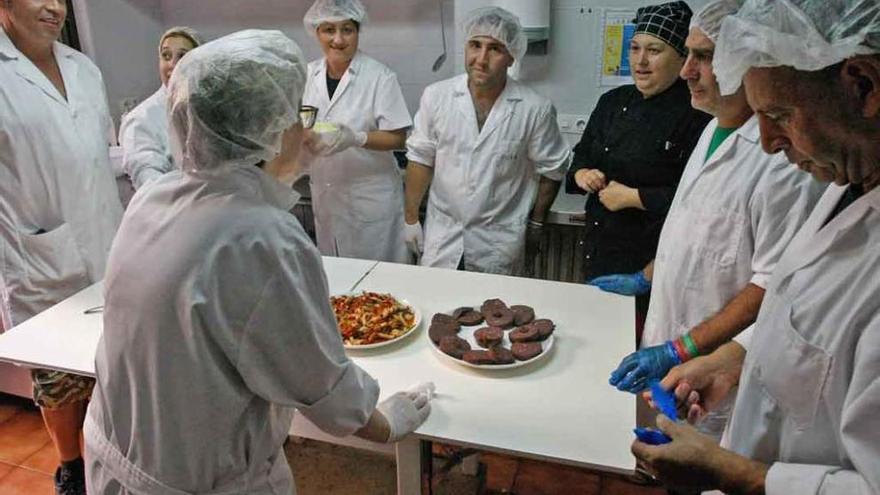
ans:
(596, 223)
(606, 149)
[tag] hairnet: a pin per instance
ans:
(499, 24)
(334, 11)
(807, 35)
(230, 100)
(667, 22)
(709, 18)
(184, 31)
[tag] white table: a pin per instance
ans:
(64, 338)
(560, 409)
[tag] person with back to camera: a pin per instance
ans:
(217, 320)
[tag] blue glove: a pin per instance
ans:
(637, 370)
(632, 284)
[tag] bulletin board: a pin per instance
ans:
(616, 30)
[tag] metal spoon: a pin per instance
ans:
(442, 58)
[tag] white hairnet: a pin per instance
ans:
(183, 31)
(230, 100)
(334, 11)
(807, 35)
(499, 24)
(709, 18)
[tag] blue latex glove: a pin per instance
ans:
(637, 370)
(631, 284)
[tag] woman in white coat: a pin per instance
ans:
(357, 188)
(143, 133)
(217, 321)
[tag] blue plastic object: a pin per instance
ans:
(651, 437)
(665, 401)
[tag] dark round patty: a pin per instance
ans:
(490, 304)
(544, 326)
(522, 314)
(446, 320)
(454, 345)
(478, 357)
(439, 330)
(524, 351)
(499, 317)
(468, 316)
(525, 333)
(486, 337)
(501, 355)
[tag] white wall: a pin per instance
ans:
(403, 34)
(568, 73)
(121, 37)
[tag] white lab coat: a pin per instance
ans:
(59, 207)
(485, 181)
(357, 194)
(732, 217)
(207, 352)
(809, 393)
(143, 135)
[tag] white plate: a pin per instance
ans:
(417, 319)
(467, 333)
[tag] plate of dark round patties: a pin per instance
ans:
(491, 336)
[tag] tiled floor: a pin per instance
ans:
(27, 458)
(27, 461)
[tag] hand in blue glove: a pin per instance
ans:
(638, 369)
(627, 284)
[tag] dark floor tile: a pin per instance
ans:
(541, 478)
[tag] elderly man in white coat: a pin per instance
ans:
(734, 213)
(491, 152)
(59, 207)
(218, 323)
(143, 132)
(805, 419)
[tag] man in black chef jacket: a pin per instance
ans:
(632, 154)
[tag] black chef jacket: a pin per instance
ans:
(640, 143)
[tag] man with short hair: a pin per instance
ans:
(490, 149)
(59, 207)
(805, 419)
(734, 213)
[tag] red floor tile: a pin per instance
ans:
(9, 406)
(500, 472)
(5, 469)
(23, 481)
(44, 460)
(21, 436)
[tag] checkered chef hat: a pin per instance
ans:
(668, 22)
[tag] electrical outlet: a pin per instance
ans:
(572, 123)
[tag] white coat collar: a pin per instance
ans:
(319, 76)
(251, 181)
(26, 69)
(818, 233)
(502, 110)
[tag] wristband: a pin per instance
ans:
(535, 223)
(691, 345)
(682, 352)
